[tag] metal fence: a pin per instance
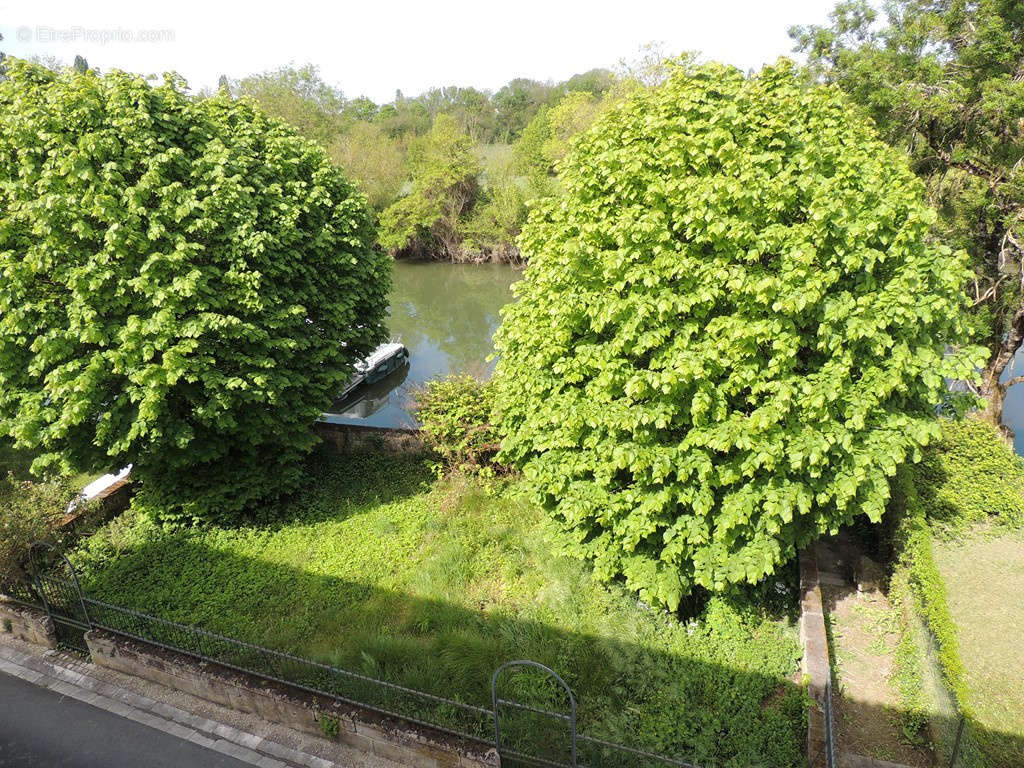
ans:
(831, 760)
(523, 734)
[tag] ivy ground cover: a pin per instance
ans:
(381, 568)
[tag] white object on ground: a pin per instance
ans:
(96, 487)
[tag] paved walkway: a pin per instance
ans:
(57, 710)
(41, 728)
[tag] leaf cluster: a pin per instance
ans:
(184, 284)
(732, 331)
(455, 416)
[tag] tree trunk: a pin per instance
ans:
(992, 389)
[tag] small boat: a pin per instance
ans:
(385, 359)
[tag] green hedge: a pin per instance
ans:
(968, 476)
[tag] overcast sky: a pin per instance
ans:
(373, 47)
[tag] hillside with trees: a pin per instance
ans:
(448, 173)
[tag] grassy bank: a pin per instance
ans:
(380, 568)
(983, 574)
(960, 547)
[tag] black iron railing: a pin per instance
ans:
(524, 735)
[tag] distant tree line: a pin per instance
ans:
(447, 173)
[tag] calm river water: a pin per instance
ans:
(446, 315)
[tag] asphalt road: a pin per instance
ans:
(40, 728)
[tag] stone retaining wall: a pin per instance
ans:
(352, 437)
(815, 663)
(292, 707)
(26, 624)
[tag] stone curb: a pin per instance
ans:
(71, 678)
(815, 663)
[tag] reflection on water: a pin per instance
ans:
(1013, 406)
(446, 315)
(366, 399)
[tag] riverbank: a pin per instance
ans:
(446, 315)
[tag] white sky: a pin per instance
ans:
(373, 47)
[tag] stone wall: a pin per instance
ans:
(352, 437)
(292, 707)
(26, 624)
(815, 663)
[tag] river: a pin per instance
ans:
(446, 315)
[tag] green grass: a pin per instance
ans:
(959, 577)
(381, 568)
(984, 578)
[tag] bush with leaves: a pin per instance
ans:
(428, 222)
(455, 414)
(970, 475)
(184, 284)
(29, 512)
(731, 333)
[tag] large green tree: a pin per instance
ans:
(732, 330)
(300, 97)
(944, 80)
(184, 284)
(428, 222)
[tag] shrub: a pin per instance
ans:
(455, 416)
(971, 475)
(185, 284)
(428, 221)
(29, 512)
(731, 333)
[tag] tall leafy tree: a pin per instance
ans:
(300, 97)
(517, 103)
(428, 222)
(944, 80)
(732, 331)
(184, 285)
(374, 160)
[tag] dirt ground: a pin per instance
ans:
(863, 633)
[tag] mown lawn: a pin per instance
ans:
(381, 568)
(984, 578)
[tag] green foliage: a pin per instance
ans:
(731, 331)
(517, 103)
(943, 80)
(382, 568)
(971, 475)
(29, 512)
(546, 140)
(428, 221)
(375, 160)
(908, 674)
(329, 727)
(528, 152)
(185, 283)
(913, 542)
(455, 416)
(497, 220)
(300, 97)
